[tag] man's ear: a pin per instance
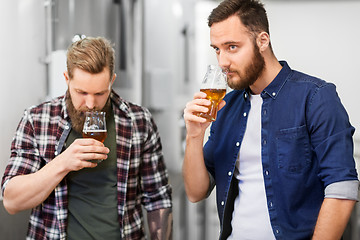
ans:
(113, 79)
(67, 79)
(263, 41)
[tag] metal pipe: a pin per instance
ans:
(48, 5)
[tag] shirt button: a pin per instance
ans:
(270, 204)
(237, 144)
(222, 203)
(245, 95)
(267, 173)
(56, 153)
(265, 112)
(274, 94)
(245, 114)
(229, 173)
(67, 127)
(265, 142)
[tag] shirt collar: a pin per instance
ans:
(246, 94)
(64, 109)
(276, 85)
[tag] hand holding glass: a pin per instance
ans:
(214, 85)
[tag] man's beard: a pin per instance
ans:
(77, 117)
(252, 72)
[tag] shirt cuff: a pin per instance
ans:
(343, 190)
(3, 188)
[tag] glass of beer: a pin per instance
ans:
(214, 85)
(95, 126)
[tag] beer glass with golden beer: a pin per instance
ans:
(214, 85)
(95, 126)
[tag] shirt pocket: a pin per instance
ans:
(293, 149)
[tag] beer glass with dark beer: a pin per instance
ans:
(214, 85)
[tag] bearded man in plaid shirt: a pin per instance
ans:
(50, 171)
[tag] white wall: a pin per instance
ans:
(164, 83)
(320, 38)
(22, 80)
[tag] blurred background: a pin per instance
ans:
(162, 50)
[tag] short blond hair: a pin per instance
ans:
(91, 55)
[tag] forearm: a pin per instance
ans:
(27, 191)
(195, 174)
(333, 218)
(160, 224)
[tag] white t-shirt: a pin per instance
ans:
(251, 217)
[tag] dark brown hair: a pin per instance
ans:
(251, 13)
(91, 55)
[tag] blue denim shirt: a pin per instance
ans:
(306, 140)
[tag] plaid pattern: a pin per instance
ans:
(141, 171)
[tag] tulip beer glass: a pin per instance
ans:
(95, 126)
(214, 85)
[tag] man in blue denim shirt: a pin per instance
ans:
(280, 152)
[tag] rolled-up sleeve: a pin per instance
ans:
(343, 190)
(24, 156)
(331, 136)
(156, 188)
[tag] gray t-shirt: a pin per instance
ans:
(92, 210)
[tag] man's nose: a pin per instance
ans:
(90, 102)
(223, 60)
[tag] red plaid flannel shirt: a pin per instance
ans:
(141, 171)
